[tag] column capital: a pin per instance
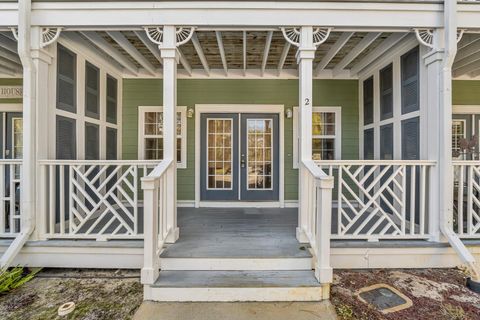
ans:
(435, 55)
(294, 36)
(156, 35)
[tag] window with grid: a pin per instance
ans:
(66, 79)
(458, 133)
(111, 99)
(151, 135)
(324, 135)
(92, 91)
(386, 92)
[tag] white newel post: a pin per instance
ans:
(151, 260)
(323, 268)
(169, 53)
(305, 56)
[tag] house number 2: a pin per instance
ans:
(307, 101)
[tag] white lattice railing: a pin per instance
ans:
(318, 208)
(92, 199)
(159, 201)
(10, 197)
(466, 203)
(379, 199)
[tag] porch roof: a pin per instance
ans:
(243, 53)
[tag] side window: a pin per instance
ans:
(151, 134)
(368, 144)
(66, 79)
(386, 142)
(111, 99)
(368, 101)
(92, 91)
(66, 138)
(325, 134)
(410, 81)
(386, 92)
(411, 139)
(111, 153)
(92, 141)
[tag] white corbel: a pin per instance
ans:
(49, 36)
(183, 34)
(425, 37)
(292, 35)
(14, 33)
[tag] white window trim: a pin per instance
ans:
(464, 133)
(338, 131)
(141, 136)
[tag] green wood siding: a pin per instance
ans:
(466, 92)
(10, 82)
(148, 92)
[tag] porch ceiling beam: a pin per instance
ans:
(132, 51)
(268, 43)
(8, 44)
(221, 49)
(378, 51)
(76, 40)
(465, 62)
(10, 65)
(359, 48)
(114, 53)
(470, 68)
(7, 54)
(468, 39)
(6, 71)
(201, 55)
(153, 48)
(283, 57)
(244, 52)
(184, 62)
(468, 51)
(342, 40)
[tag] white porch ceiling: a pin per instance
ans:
(241, 53)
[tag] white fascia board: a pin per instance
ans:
(9, 14)
(235, 13)
(468, 15)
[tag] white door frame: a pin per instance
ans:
(239, 108)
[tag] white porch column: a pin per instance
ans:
(305, 56)
(169, 53)
(436, 141)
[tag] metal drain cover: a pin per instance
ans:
(384, 298)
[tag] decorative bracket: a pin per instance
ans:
(183, 34)
(49, 36)
(292, 35)
(15, 33)
(425, 36)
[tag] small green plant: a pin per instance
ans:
(14, 278)
(345, 312)
(452, 312)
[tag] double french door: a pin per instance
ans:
(239, 157)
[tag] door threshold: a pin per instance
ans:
(240, 204)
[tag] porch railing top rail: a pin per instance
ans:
(465, 162)
(100, 162)
(159, 170)
(315, 170)
(375, 162)
(11, 161)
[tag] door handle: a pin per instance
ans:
(242, 161)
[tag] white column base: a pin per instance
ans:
(173, 236)
(301, 236)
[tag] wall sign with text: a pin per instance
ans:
(11, 92)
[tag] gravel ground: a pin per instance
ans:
(438, 294)
(97, 295)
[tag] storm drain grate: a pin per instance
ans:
(384, 298)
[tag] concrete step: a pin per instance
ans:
(236, 286)
(238, 264)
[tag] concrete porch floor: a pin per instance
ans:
(236, 311)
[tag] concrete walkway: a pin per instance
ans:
(236, 311)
